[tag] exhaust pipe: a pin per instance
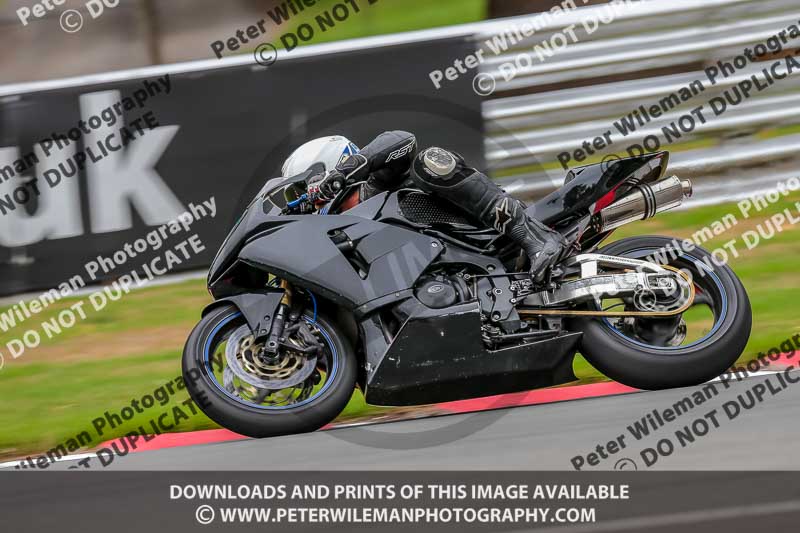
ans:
(646, 201)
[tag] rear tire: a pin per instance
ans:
(651, 367)
(261, 422)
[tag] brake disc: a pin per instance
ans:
(291, 368)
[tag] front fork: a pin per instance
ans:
(279, 322)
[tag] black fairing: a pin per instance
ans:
(260, 215)
(587, 189)
(393, 249)
(301, 250)
(452, 362)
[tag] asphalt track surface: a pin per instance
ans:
(540, 437)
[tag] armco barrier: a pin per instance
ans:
(650, 50)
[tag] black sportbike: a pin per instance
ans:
(408, 300)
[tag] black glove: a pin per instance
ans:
(355, 168)
(324, 187)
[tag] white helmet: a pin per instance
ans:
(326, 150)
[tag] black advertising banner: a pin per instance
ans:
(98, 180)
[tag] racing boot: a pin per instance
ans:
(445, 174)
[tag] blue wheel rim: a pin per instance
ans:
(700, 265)
(330, 377)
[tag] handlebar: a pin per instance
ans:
(302, 206)
(296, 203)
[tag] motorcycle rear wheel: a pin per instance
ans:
(230, 408)
(651, 367)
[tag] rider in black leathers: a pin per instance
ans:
(391, 159)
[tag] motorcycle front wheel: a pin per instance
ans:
(301, 388)
(654, 354)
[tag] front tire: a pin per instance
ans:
(637, 364)
(246, 417)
